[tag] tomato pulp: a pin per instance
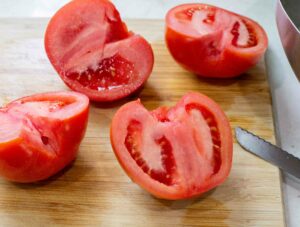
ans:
(213, 42)
(40, 134)
(174, 153)
(94, 53)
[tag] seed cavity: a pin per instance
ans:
(252, 40)
(133, 142)
(55, 106)
(189, 13)
(210, 18)
(110, 73)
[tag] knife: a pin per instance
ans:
(267, 151)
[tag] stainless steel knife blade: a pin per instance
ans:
(268, 151)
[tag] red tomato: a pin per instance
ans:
(40, 134)
(174, 153)
(213, 42)
(94, 53)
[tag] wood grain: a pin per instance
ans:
(94, 190)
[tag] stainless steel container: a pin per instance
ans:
(288, 23)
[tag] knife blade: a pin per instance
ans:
(267, 151)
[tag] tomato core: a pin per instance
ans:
(214, 130)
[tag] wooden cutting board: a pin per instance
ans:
(95, 191)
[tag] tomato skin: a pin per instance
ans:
(82, 36)
(24, 158)
(176, 128)
(192, 51)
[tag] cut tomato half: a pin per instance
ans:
(213, 42)
(174, 153)
(94, 53)
(40, 134)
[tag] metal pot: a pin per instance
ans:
(288, 23)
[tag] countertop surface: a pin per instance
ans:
(284, 86)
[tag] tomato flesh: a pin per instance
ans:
(177, 152)
(213, 42)
(9, 128)
(94, 53)
(40, 134)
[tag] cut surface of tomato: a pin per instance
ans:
(41, 134)
(174, 153)
(213, 42)
(94, 53)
